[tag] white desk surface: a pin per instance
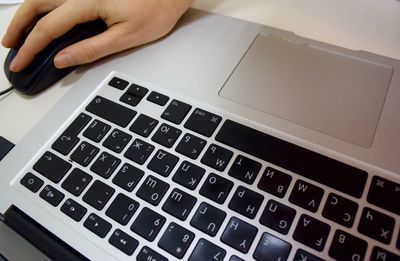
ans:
(368, 25)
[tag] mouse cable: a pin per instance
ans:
(6, 90)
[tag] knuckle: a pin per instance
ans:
(30, 3)
(42, 30)
(89, 53)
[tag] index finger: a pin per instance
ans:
(52, 26)
(25, 16)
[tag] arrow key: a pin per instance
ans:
(123, 242)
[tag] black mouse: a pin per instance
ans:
(42, 73)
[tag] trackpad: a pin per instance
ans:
(333, 93)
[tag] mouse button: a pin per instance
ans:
(48, 77)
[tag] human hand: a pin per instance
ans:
(130, 23)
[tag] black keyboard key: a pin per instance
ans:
(128, 177)
(98, 195)
(239, 235)
(65, 143)
(271, 248)
(137, 90)
(277, 216)
(123, 242)
(216, 188)
(122, 209)
(203, 122)
(52, 167)
(246, 202)
(51, 195)
(77, 125)
(76, 182)
(111, 111)
(84, 153)
(31, 182)
(96, 130)
(217, 157)
(345, 246)
(380, 254)
(398, 241)
(105, 165)
(311, 232)
(134, 94)
(118, 83)
(148, 224)
(381, 190)
(188, 175)
(176, 111)
(179, 204)
(337, 175)
(176, 240)
(166, 135)
(97, 225)
(306, 195)
(190, 146)
(73, 209)
(148, 254)
(152, 190)
(235, 258)
(340, 210)
(143, 125)
(208, 219)
(245, 169)
(158, 98)
(163, 163)
(117, 140)
(205, 250)
(376, 225)
(139, 151)
(274, 182)
(302, 255)
(130, 99)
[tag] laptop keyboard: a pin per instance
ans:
(190, 183)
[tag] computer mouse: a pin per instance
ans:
(41, 72)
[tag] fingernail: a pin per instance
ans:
(14, 64)
(63, 60)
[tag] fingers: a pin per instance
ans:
(111, 41)
(131, 23)
(25, 17)
(51, 26)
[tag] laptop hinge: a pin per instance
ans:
(39, 236)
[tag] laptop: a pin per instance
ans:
(225, 140)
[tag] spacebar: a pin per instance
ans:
(309, 164)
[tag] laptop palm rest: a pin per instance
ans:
(331, 92)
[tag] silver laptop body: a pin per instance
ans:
(293, 146)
